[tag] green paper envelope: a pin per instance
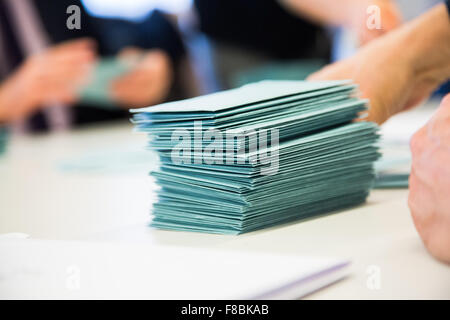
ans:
(4, 135)
(290, 70)
(322, 163)
(392, 173)
(97, 91)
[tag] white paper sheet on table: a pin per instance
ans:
(39, 269)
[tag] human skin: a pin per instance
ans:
(396, 72)
(53, 75)
(352, 14)
(58, 73)
(429, 183)
(149, 80)
(401, 69)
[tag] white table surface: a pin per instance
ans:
(41, 198)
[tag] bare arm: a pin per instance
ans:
(329, 12)
(429, 45)
(357, 15)
(399, 70)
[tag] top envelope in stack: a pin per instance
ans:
(260, 155)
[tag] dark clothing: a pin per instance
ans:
(262, 25)
(447, 3)
(111, 35)
(12, 48)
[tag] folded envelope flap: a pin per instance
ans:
(248, 94)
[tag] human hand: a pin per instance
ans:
(368, 19)
(429, 182)
(386, 75)
(148, 82)
(51, 76)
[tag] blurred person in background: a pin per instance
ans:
(251, 33)
(397, 72)
(43, 63)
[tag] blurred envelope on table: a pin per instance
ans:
(97, 91)
(3, 138)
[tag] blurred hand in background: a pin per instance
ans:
(54, 75)
(148, 82)
(429, 182)
(401, 69)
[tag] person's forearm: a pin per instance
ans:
(427, 41)
(330, 12)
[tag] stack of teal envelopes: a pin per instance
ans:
(264, 154)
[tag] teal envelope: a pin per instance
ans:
(4, 133)
(97, 91)
(323, 162)
(392, 173)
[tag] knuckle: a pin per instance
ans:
(416, 143)
(412, 196)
